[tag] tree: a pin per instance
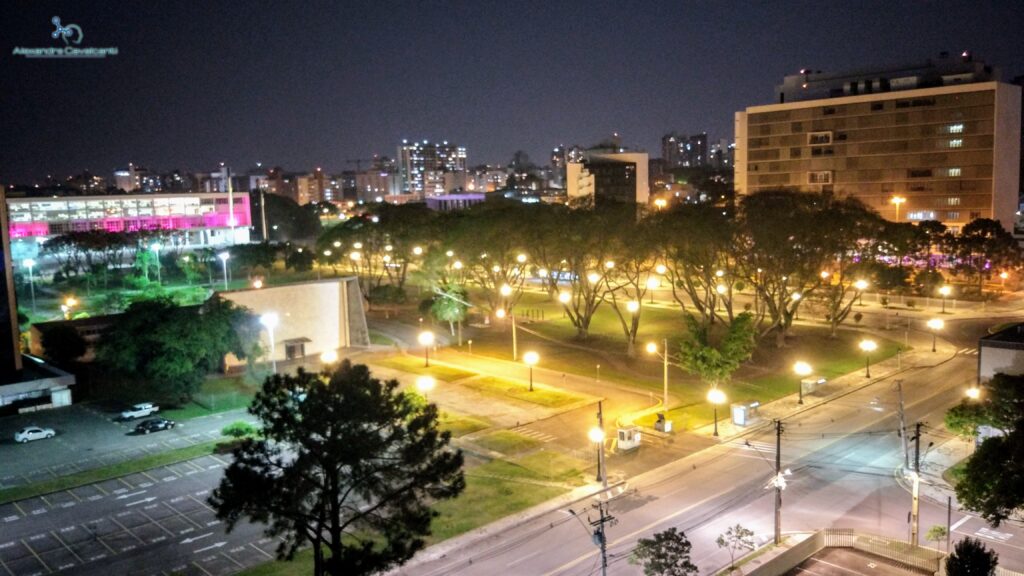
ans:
(450, 305)
(634, 255)
(971, 557)
(991, 480)
(63, 344)
(667, 554)
(170, 349)
(936, 533)
(983, 245)
(735, 539)
(715, 363)
(349, 465)
(964, 419)
(1000, 405)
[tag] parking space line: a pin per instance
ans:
(125, 482)
(156, 522)
(73, 495)
(196, 564)
(260, 550)
(48, 569)
(201, 503)
(144, 473)
(45, 501)
(100, 488)
(193, 465)
(178, 512)
(5, 567)
(125, 528)
(219, 460)
(64, 544)
(19, 509)
(237, 563)
(97, 538)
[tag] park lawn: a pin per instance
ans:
(506, 442)
(484, 500)
(461, 424)
(107, 472)
(555, 466)
(541, 395)
(216, 395)
(414, 365)
(380, 339)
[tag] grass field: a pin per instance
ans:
(414, 365)
(216, 395)
(507, 442)
(461, 424)
(543, 396)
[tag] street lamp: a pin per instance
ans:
(861, 286)
(897, 200)
(661, 269)
(973, 392)
(531, 358)
(802, 369)
(1002, 279)
(505, 290)
(30, 264)
(269, 321)
(868, 346)
(652, 348)
(596, 436)
(69, 303)
(155, 247)
(329, 357)
(660, 203)
(935, 324)
(652, 283)
(426, 339)
(425, 384)
(716, 397)
(944, 292)
(224, 260)
(633, 306)
(564, 297)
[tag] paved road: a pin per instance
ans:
(844, 458)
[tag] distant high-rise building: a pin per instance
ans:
(86, 182)
(681, 151)
(422, 165)
(939, 141)
(671, 149)
(134, 178)
(722, 154)
(619, 177)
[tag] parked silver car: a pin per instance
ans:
(33, 433)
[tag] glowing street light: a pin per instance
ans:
(457, 265)
(155, 247)
(69, 303)
(30, 264)
(1002, 278)
(329, 357)
(973, 393)
(861, 286)
(661, 203)
(505, 290)
(417, 251)
(652, 284)
(716, 397)
(531, 358)
(596, 436)
(867, 346)
(269, 321)
(802, 369)
(593, 277)
(425, 384)
(521, 258)
(897, 200)
(426, 339)
(224, 261)
(633, 306)
(661, 269)
(935, 324)
(564, 297)
(944, 292)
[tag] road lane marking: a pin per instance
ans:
(64, 544)
(260, 550)
(48, 569)
(239, 564)
(208, 548)
(11, 518)
(959, 523)
(123, 496)
(143, 501)
(223, 462)
(194, 538)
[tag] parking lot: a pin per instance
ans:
(850, 562)
(154, 522)
(89, 438)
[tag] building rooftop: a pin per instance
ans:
(1013, 334)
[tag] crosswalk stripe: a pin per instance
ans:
(534, 434)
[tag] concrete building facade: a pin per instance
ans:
(619, 177)
(949, 153)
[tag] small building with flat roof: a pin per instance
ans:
(1001, 352)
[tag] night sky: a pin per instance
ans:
(307, 84)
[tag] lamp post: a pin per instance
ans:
(935, 324)
(716, 397)
(1002, 279)
(596, 436)
(425, 384)
(531, 358)
(69, 303)
(155, 247)
(720, 290)
(653, 283)
(224, 260)
(802, 369)
(329, 357)
(897, 200)
(501, 313)
(269, 321)
(868, 346)
(973, 393)
(426, 339)
(861, 286)
(652, 348)
(944, 292)
(30, 264)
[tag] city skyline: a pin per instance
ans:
(327, 84)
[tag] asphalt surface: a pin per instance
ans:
(849, 562)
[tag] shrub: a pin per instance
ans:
(239, 429)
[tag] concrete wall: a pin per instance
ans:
(992, 361)
(328, 313)
(1006, 155)
(785, 561)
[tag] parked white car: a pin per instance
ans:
(33, 433)
(140, 411)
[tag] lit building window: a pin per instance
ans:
(956, 143)
(955, 128)
(921, 215)
(953, 172)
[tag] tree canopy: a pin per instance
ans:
(348, 465)
(970, 557)
(666, 554)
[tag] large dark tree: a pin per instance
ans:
(992, 483)
(349, 465)
(170, 349)
(983, 246)
(667, 554)
(63, 344)
(971, 557)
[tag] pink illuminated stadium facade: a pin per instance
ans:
(194, 219)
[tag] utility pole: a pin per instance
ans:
(778, 483)
(916, 494)
(903, 426)
(601, 472)
(600, 539)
